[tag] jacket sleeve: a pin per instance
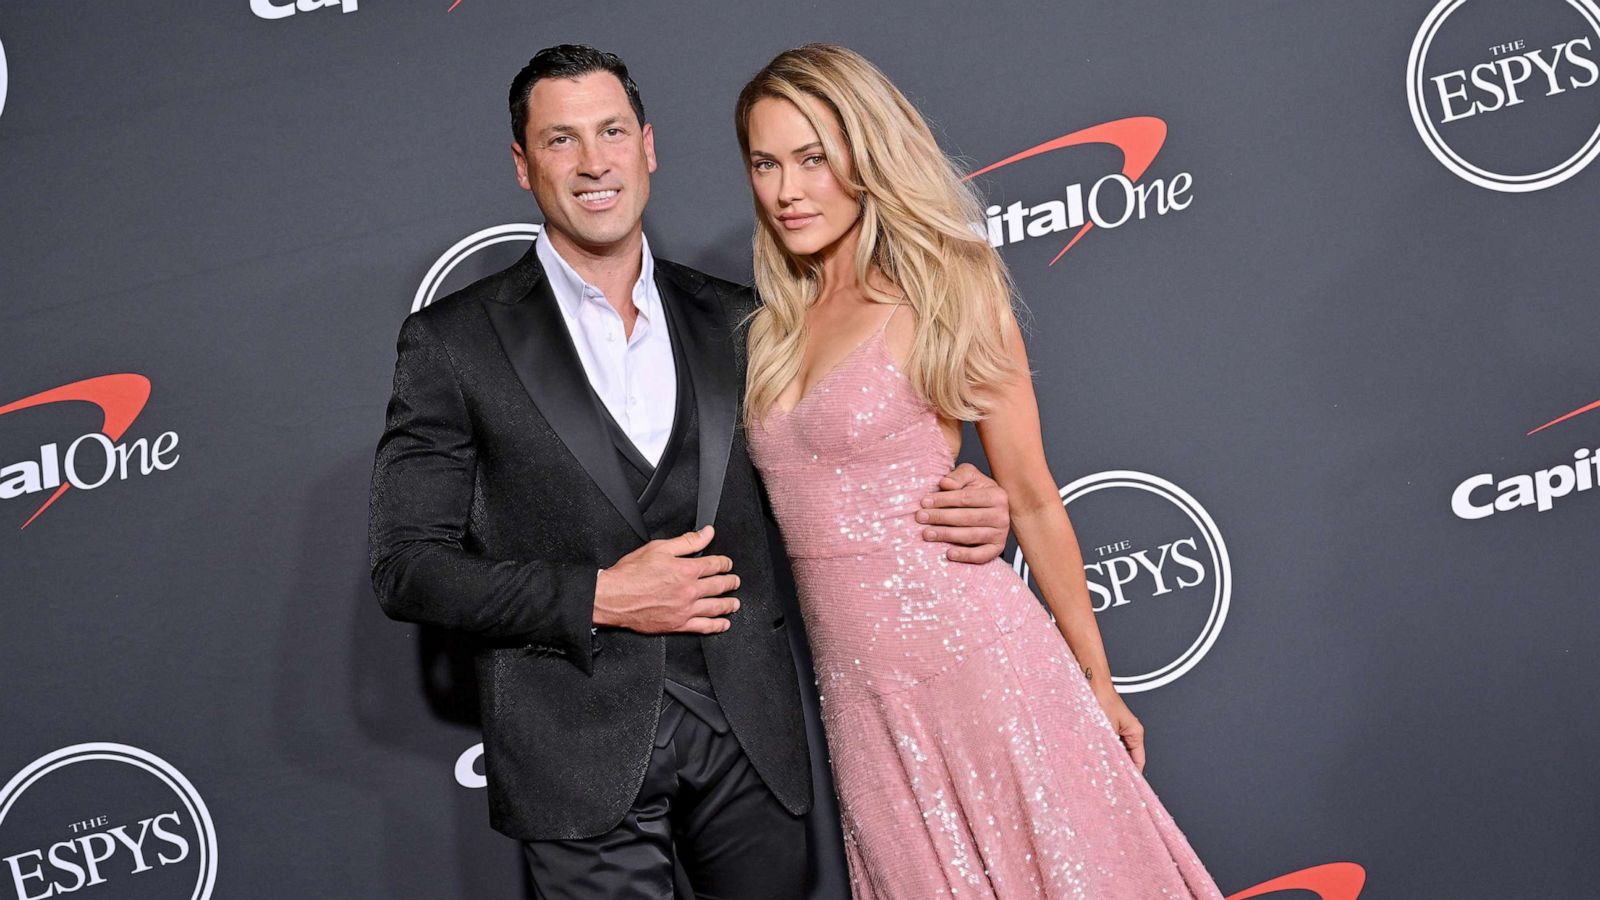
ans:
(422, 484)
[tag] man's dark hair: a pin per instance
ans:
(566, 61)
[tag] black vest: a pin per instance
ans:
(668, 493)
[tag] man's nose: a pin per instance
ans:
(591, 162)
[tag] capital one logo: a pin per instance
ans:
(1486, 494)
(1329, 881)
(428, 291)
(94, 459)
(1109, 202)
(108, 816)
(1504, 94)
(1159, 577)
(268, 9)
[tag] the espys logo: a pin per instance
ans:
(1483, 495)
(94, 459)
(1503, 94)
(1158, 573)
(267, 9)
(428, 291)
(1110, 202)
(3, 77)
(467, 766)
(105, 814)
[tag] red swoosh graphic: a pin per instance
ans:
(1330, 881)
(1577, 412)
(120, 397)
(1138, 137)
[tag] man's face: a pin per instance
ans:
(586, 159)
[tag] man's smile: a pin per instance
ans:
(598, 200)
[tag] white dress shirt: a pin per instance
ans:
(633, 374)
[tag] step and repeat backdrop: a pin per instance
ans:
(1310, 292)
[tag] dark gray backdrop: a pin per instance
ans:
(1331, 336)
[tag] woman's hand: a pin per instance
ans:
(1125, 723)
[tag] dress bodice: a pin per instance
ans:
(846, 467)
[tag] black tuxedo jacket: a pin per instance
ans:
(496, 496)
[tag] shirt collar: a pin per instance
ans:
(571, 290)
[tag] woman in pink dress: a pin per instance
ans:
(976, 752)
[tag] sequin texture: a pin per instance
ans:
(970, 755)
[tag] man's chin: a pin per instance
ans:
(596, 239)
(602, 229)
(601, 243)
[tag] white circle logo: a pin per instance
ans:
(93, 824)
(467, 765)
(1502, 96)
(488, 237)
(1158, 572)
(2, 77)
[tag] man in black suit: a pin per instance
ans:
(561, 476)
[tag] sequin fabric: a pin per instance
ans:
(970, 755)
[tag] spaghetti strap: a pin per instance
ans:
(885, 326)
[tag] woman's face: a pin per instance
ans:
(804, 204)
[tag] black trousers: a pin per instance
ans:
(701, 803)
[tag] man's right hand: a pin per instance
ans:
(661, 588)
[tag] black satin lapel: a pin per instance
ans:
(702, 327)
(536, 340)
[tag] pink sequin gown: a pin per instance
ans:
(970, 756)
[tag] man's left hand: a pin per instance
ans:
(969, 511)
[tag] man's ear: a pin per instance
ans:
(649, 135)
(520, 158)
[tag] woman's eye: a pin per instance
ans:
(762, 165)
(815, 160)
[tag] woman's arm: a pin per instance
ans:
(1012, 442)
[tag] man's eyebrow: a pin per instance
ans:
(563, 128)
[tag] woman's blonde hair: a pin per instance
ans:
(919, 223)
